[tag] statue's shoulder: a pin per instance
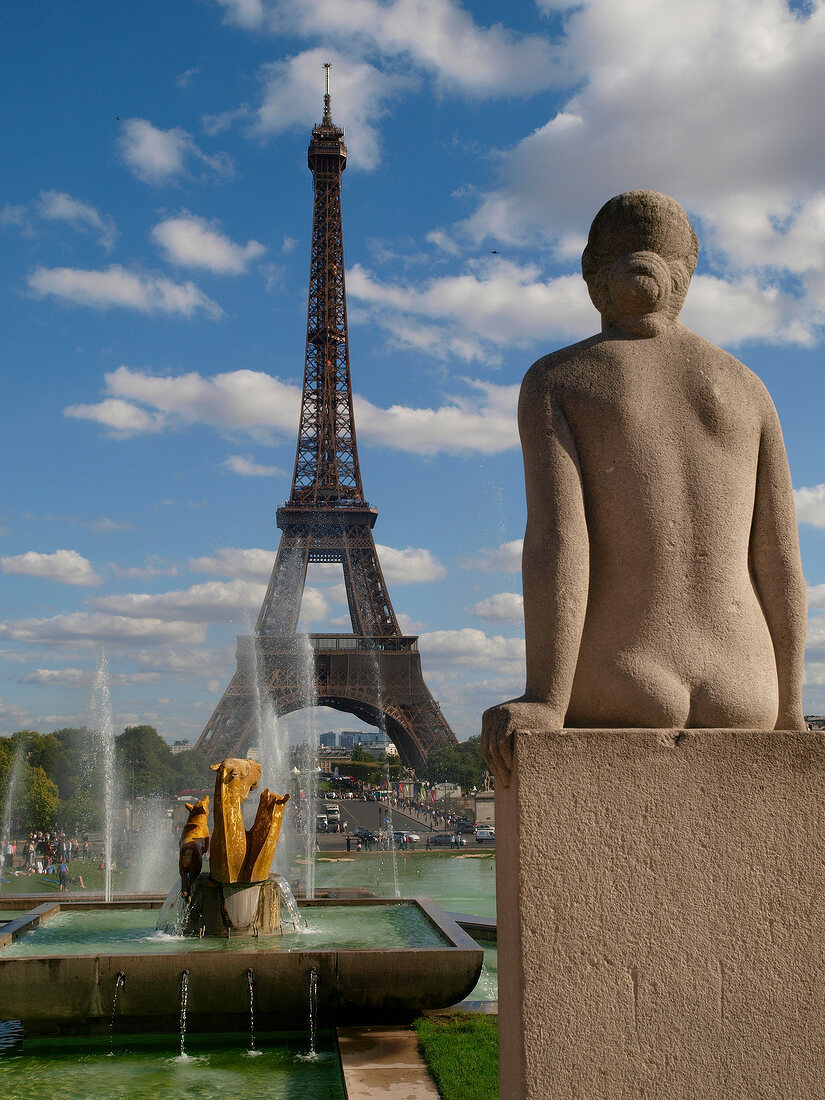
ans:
(716, 361)
(559, 370)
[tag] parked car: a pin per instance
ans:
(399, 838)
(366, 834)
(485, 834)
(446, 840)
(465, 827)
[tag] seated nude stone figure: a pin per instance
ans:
(661, 570)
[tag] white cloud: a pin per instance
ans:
(503, 607)
(211, 602)
(470, 648)
(93, 629)
(439, 37)
(116, 286)
(409, 566)
(154, 566)
(190, 241)
(484, 423)
(158, 156)
(65, 566)
(810, 505)
(184, 664)
(13, 716)
(104, 525)
(505, 558)
(249, 14)
(292, 98)
(247, 467)
(495, 304)
(121, 417)
(58, 206)
(253, 564)
(255, 402)
(689, 100)
(82, 678)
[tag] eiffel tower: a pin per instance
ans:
(374, 672)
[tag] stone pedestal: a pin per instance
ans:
(661, 915)
(233, 909)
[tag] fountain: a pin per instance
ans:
(15, 773)
(104, 733)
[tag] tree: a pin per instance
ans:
(81, 813)
(145, 762)
(42, 799)
(192, 772)
(462, 764)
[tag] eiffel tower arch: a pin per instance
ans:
(375, 671)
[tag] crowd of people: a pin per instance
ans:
(46, 852)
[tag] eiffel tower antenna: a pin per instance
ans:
(374, 672)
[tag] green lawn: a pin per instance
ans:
(462, 1053)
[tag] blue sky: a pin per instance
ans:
(155, 216)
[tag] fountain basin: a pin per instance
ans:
(73, 993)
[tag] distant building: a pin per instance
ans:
(815, 721)
(348, 739)
(181, 746)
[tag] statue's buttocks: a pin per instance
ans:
(662, 583)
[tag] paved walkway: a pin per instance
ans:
(384, 1062)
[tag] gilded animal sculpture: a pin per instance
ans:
(194, 844)
(238, 855)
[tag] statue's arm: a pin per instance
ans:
(777, 570)
(555, 570)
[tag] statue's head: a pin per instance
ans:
(237, 776)
(639, 258)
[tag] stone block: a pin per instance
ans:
(660, 915)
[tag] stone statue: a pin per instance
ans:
(194, 844)
(661, 570)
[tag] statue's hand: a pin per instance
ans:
(500, 723)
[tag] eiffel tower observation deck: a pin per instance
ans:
(374, 672)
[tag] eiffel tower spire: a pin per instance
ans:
(374, 672)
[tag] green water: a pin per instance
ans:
(462, 883)
(132, 931)
(151, 1068)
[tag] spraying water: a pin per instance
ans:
(390, 832)
(103, 725)
(11, 794)
(184, 998)
(313, 1010)
(309, 759)
(250, 981)
(273, 744)
(120, 980)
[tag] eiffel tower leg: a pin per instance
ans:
(282, 603)
(369, 602)
(227, 731)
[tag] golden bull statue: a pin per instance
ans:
(238, 855)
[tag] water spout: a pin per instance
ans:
(184, 997)
(120, 981)
(11, 794)
(313, 1011)
(250, 979)
(309, 777)
(103, 725)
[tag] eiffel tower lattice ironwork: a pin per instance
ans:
(375, 672)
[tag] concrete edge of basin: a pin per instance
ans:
(74, 994)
